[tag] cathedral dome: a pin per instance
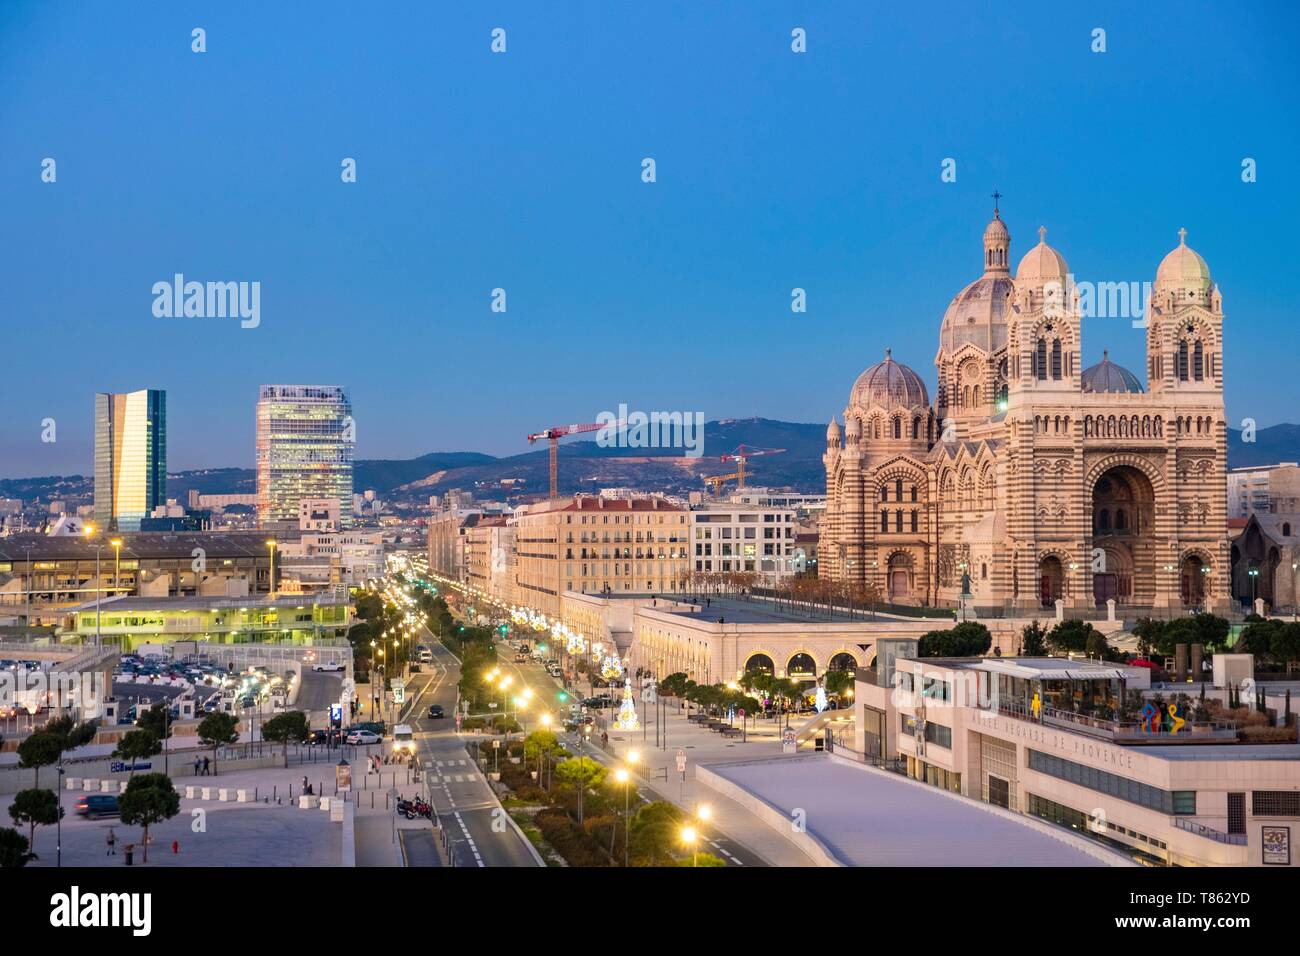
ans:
(978, 314)
(1183, 270)
(1041, 265)
(889, 384)
(1106, 376)
(833, 431)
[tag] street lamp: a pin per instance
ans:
(99, 547)
(688, 838)
(1254, 586)
(117, 561)
(270, 546)
(623, 777)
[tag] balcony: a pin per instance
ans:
(1200, 829)
(1120, 732)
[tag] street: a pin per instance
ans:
(459, 793)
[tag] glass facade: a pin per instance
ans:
(305, 442)
(130, 457)
(1175, 802)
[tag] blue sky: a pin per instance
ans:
(522, 171)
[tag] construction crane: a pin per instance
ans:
(554, 434)
(740, 456)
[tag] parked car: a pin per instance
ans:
(598, 703)
(364, 737)
(329, 666)
(436, 711)
(97, 805)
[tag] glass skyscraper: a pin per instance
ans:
(130, 457)
(305, 440)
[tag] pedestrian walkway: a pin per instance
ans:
(704, 746)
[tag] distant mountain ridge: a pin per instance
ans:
(587, 466)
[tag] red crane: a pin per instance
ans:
(555, 433)
(740, 456)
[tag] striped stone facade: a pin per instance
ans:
(1030, 478)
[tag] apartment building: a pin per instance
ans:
(598, 545)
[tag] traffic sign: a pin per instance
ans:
(681, 761)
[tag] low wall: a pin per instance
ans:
(13, 779)
(811, 847)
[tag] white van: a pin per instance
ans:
(403, 739)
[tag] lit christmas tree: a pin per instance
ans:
(627, 718)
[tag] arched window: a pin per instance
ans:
(884, 492)
(1198, 361)
(1180, 365)
(984, 572)
(916, 428)
(1119, 519)
(915, 524)
(898, 428)
(1040, 360)
(898, 521)
(1286, 529)
(913, 492)
(1056, 359)
(1103, 520)
(884, 522)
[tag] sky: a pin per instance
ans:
(522, 171)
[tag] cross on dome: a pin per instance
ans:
(1042, 233)
(1182, 237)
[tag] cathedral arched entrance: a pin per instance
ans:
(1192, 580)
(1123, 519)
(1051, 580)
(898, 576)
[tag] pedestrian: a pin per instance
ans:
(604, 739)
(197, 765)
(206, 764)
(304, 783)
(176, 846)
(112, 843)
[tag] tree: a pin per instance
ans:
(157, 720)
(582, 775)
(1148, 632)
(39, 750)
(654, 832)
(674, 685)
(967, 639)
(1096, 646)
(137, 745)
(1070, 636)
(839, 682)
(13, 848)
(71, 734)
(150, 798)
(282, 728)
(540, 743)
(215, 730)
(35, 808)
(1033, 640)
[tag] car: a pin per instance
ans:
(374, 726)
(362, 738)
(436, 711)
(426, 657)
(325, 667)
(97, 805)
(598, 703)
(403, 739)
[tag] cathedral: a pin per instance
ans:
(1030, 479)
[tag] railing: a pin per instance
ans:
(1114, 729)
(1200, 829)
